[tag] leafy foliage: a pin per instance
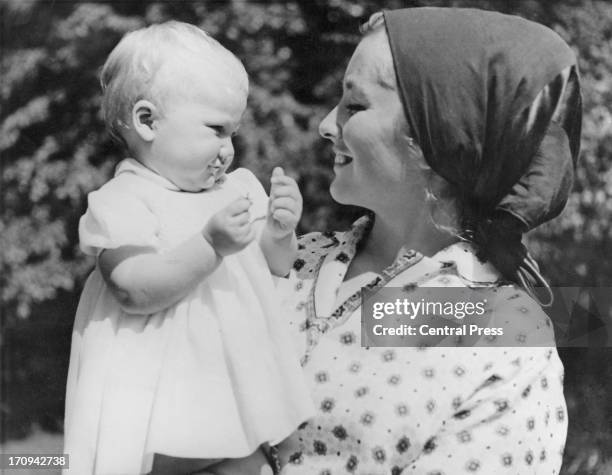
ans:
(55, 150)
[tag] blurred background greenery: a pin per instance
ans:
(55, 150)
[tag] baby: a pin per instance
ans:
(179, 357)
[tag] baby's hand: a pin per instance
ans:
(230, 230)
(285, 207)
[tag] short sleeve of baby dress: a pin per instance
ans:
(115, 217)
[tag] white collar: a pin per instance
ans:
(131, 165)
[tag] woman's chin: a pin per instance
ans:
(343, 193)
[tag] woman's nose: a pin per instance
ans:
(328, 128)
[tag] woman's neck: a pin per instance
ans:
(389, 234)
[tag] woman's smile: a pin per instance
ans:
(341, 159)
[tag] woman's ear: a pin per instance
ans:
(144, 114)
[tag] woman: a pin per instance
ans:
(459, 130)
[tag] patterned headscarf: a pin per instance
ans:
(494, 103)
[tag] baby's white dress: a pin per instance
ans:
(213, 376)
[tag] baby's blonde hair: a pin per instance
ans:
(129, 73)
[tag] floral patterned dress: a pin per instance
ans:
(418, 410)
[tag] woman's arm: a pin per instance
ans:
(512, 419)
(254, 464)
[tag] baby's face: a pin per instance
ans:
(193, 137)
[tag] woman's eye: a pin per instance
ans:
(354, 108)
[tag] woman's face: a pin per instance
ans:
(375, 163)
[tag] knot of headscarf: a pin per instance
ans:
(494, 103)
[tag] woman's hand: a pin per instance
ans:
(230, 230)
(254, 464)
(285, 208)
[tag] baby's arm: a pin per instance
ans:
(145, 281)
(278, 241)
